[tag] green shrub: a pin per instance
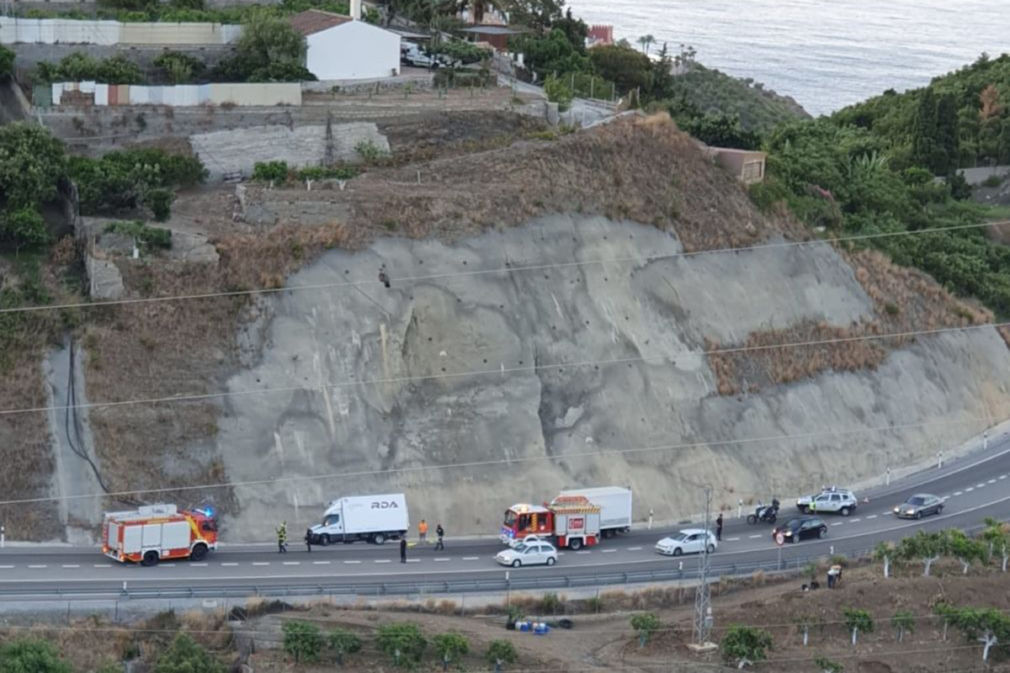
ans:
(302, 640)
(343, 643)
(451, 647)
(558, 91)
(327, 172)
(79, 67)
(6, 62)
(403, 642)
(369, 151)
(501, 651)
(745, 644)
(991, 181)
(31, 655)
(148, 238)
(645, 624)
(160, 202)
(184, 655)
(270, 171)
(549, 603)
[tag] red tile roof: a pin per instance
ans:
(315, 20)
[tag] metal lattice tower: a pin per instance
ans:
(702, 604)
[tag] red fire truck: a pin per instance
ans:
(570, 521)
(155, 532)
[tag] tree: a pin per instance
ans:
(184, 655)
(828, 666)
(179, 68)
(995, 535)
(645, 624)
(558, 91)
(745, 645)
(987, 625)
(537, 14)
(32, 162)
(403, 642)
(269, 50)
(646, 41)
(857, 620)
(927, 547)
(31, 655)
(948, 150)
(343, 643)
(966, 549)
(450, 647)
(627, 68)
(6, 62)
(302, 640)
(884, 551)
(501, 652)
(903, 621)
(549, 54)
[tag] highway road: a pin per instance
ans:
(973, 488)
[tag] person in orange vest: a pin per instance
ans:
(422, 529)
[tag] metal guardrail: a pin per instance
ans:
(520, 583)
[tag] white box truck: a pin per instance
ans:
(614, 503)
(374, 518)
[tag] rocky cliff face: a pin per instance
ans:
(569, 351)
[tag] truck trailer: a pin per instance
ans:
(373, 518)
(614, 503)
(158, 532)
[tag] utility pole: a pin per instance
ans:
(702, 604)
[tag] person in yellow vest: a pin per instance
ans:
(282, 537)
(422, 529)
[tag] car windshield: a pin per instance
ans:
(510, 517)
(915, 500)
(679, 537)
(521, 548)
(792, 523)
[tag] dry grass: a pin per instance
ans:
(904, 300)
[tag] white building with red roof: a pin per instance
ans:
(345, 48)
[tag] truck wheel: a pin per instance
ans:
(150, 558)
(378, 538)
(324, 539)
(575, 544)
(199, 552)
(516, 563)
(844, 511)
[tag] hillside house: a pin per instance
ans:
(495, 35)
(344, 48)
(600, 36)
(747, 166)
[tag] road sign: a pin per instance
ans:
(780, 539)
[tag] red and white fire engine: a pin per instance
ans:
(156, 532)
(570, 521)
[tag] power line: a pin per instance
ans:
(501, 371)
(488, 463)
(498, 270)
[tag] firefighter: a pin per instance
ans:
(282, 537)
(440, 532)
(422, 530)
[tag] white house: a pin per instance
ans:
(342, 47)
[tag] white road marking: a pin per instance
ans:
(991, 481)
(856, 520)
(442, 559)
(229, 565)
(608, 551)
(982, 485)
(70, 565)
(6, 567)
(382, 560)
(969, 489)
(754, 537)
(292, 563)
(634, 549)
(958, 492)
(1002, 476)
(470, 558)
(199, 565)
(413, 560)
(871, 516)
(837, 523)
(38, 566)
(584, 551)
(732, 539)
(101, 565)
(261, 563)
(352, 561)
(320, 563)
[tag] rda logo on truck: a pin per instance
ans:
(384, 504)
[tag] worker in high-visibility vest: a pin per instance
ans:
(282, 537)
(422, 529)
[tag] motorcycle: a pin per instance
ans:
(764, 513)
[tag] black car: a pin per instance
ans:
(801, 528)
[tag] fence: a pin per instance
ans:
(67, 31)
(100, 95)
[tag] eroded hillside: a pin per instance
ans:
(599, 307)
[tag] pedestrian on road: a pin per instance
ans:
(383, 278)
(403, 550)
(282, 537)
(440, 532)
(308, 539)
(718, 528)
(422, 530)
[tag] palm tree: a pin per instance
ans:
(646, 41)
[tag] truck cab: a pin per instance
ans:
(523, 519)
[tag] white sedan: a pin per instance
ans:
(690, 541)
(534, 553)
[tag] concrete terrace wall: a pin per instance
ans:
(29, 55)
(274, 93)
(67, 31)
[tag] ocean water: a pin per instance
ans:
(824, 53)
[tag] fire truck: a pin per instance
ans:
(570, 521)
(157, 532)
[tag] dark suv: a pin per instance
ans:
(801, 528)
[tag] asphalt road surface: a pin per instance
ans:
(974, 488)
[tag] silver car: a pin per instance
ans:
(690, 541)
(534, 553)
(918, 506)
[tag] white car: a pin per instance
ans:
(535, 553)
(689, 541)
(529, 539)
(832, 500)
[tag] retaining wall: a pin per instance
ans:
(67, 31)
(28, 55)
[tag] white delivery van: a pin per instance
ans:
(374, 518)
(614, 503)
